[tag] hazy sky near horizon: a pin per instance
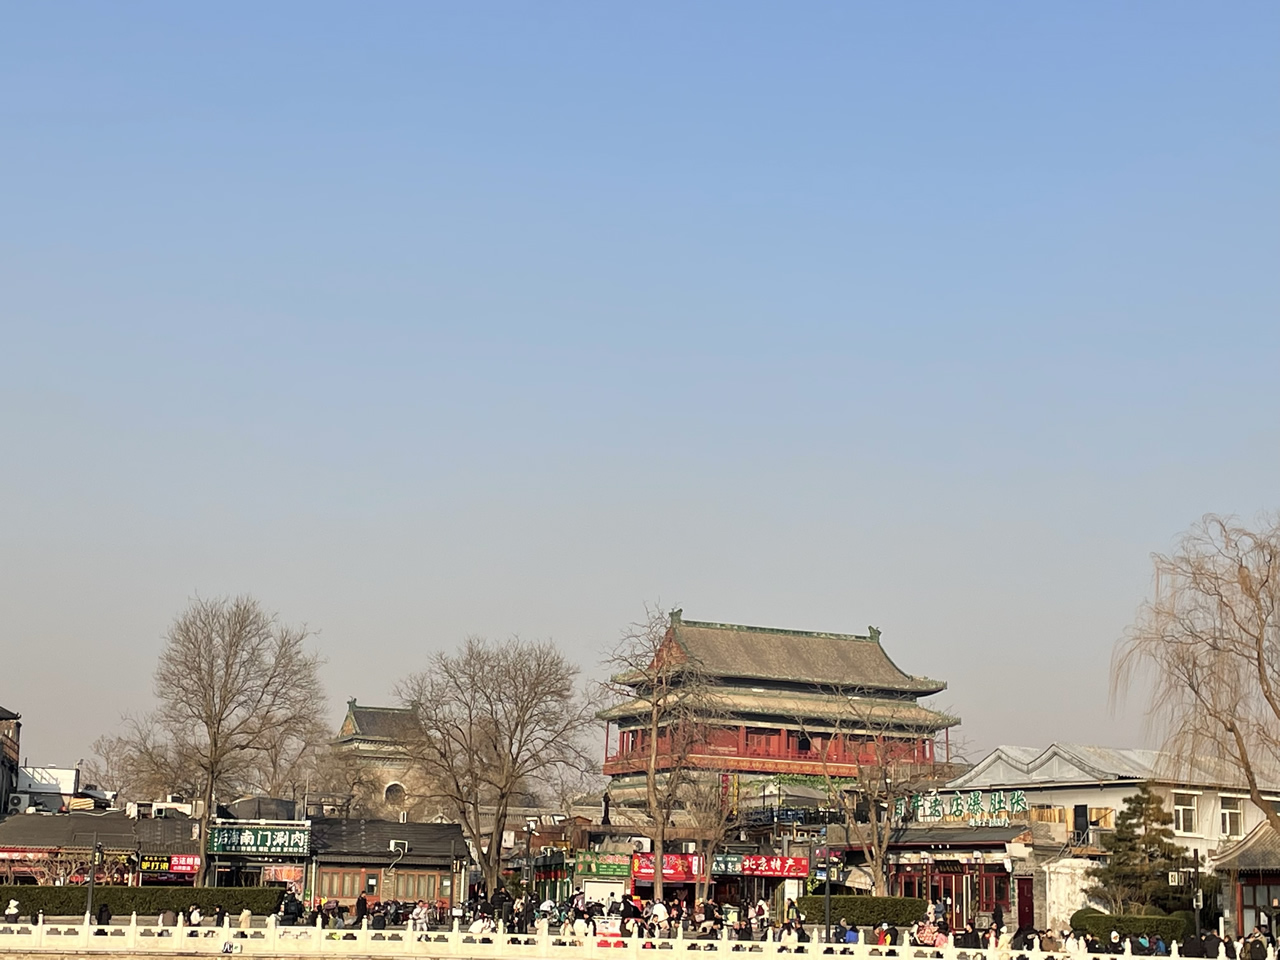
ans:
(418, 320)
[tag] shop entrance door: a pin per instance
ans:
(947, 888)
(1026, 902)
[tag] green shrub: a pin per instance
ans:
(864, 911)
(1077, 918)
(1101, 925)
(1188, 918)
(145, 901)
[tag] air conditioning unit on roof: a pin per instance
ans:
(18, 802)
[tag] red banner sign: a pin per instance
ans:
(676, 867)
(770, 866)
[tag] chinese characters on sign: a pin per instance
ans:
(603, 864)
(978, 808)
(165, 863)
(771, 866)
(676, 867)
(293, 840)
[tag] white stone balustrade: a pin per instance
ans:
(134, 938)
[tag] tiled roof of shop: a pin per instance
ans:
(1259, 851)
(1016, 766)
(369, 841)
(67, 831)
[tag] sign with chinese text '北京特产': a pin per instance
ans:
(602, 864)
(768, 865)
(281, 840)
(169, 863)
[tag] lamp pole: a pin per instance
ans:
(827, 895)
(453, 877)
(93, 873)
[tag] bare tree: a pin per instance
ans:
(569, 786)
(1208, 642)
(142, 763)
(237, 692)
(707, 801)
(872, 772)
(665, 692)
(491, 720)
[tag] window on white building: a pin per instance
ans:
(1184, 813)
(1232, 817)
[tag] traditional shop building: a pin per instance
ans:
(59, 849)
(786, 702)
(259, 853)
(1250, 873)
(388, 860)
(10, 745)
(1069, 795)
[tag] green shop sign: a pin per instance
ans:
(974, 807)
(280, 840)
(603, 864)
(726, 864)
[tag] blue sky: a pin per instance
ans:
(421, 320)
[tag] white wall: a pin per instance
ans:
(1066, 880)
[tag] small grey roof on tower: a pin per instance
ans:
(376, 723)
(728, 650)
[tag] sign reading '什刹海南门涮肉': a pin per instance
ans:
(281, 840)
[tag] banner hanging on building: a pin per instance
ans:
(676, 867)
(602, 864)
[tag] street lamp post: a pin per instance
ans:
(94, 853)
(453, 877)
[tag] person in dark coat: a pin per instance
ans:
(997, 918)
(362, 908)
(103, 915)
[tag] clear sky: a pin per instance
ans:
(418, 320)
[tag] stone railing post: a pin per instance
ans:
(131, 938)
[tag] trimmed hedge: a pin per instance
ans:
(1077, 918)
(864, 911)
(145, 901)
(1101, 925)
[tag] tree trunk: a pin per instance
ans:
(206, 817)
(659, 844)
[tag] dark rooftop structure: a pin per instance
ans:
(389, 725)
(369, 841)
(795, 656)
